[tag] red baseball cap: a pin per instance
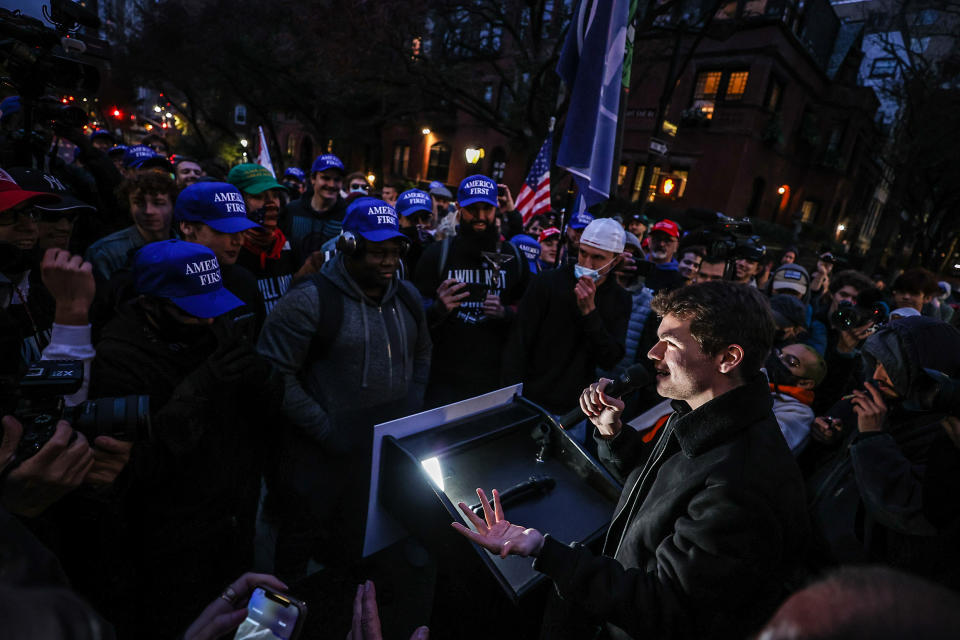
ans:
(549, 232)
(667, 226)
(11, 194)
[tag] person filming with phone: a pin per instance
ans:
(707, 531)
(875, 499)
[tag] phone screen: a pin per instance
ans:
(269, 615)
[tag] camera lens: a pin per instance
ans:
(126, 418)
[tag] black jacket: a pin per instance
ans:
(467, 345)
(705, 534)
(873, 501)
(179, 521)
(554, 349)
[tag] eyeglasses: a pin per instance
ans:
(51, 217)
(9, 217)
(788, 359)
(359, 187)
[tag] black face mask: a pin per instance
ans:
(172, 330)
(779, 373)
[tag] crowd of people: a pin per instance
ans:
(802, 420)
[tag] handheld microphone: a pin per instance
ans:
(634, 377)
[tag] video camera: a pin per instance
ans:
(40, 61)
(726, 239)
(40, 406)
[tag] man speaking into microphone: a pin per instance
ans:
(711, 526)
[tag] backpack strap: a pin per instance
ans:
(331, 316)
(444, 254)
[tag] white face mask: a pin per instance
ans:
(593, 274)
(579, 272)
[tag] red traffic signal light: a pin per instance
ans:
(669, 186)
(116, 113)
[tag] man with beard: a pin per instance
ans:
(182, 522)
(710, 528)
(470, 282)
(213, 214)
(266, 252)
(352, 345)
(317, 215)
(663, 242)
(415, 210)
(149, 196)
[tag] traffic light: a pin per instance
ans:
(116, 113)
(669, 186)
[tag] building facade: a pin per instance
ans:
(766, 119)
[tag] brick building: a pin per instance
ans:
(766, 119)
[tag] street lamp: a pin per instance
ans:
(425, 131)
(782, 190)
(371, 178)
(244, 143)
(473, 154)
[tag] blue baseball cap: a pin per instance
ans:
(414, 200)
(186, 274)
(216, 204)
(9, 106)
(102, 133)
(294, 172)
(325, 162)
(530, 249)
(373, 219)
(580, 220)
(118, 149)
(477, 188)
(140, 156)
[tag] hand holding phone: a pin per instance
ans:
(270, 615)
(229, 609)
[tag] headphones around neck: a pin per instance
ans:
(353, 244)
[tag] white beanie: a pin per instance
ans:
(605, 234)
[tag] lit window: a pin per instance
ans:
(808, 211)
(737, 85)
(705, 94)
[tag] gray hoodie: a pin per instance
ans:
(381, 355)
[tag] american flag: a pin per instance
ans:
(534, 197)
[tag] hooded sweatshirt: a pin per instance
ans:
(871, 503)
(380, 357)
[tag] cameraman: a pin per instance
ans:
(842, 353)
(181, 520)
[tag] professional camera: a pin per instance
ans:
(41, 406)
(725, 238)
(869, 308)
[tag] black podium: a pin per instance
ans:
(503, 443)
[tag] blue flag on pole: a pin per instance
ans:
(591, 64)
